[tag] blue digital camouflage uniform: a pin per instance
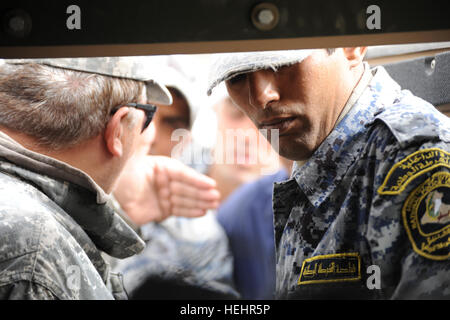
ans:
(54, 224)
(372, 200)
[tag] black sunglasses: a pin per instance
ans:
(149, 110)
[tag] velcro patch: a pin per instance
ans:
(426, 216)
(413, 166)
(331, 268)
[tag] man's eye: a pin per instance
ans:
(237, 78)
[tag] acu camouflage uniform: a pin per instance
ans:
(375, 192)
(54, 223)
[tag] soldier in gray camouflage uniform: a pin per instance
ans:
(55, 219)
(366, 211)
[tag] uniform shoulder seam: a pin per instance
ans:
(44, 282)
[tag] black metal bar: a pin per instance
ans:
(165, 21)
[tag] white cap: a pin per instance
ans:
(174, 71)
(229, 65)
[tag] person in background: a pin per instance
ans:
(247, 218)
(180, 115)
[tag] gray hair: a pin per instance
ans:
(59, 107)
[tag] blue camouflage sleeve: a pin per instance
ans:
(408, 228)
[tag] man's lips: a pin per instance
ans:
(281, 123)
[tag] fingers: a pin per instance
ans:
(184, 202)
(181, 190)
(196, 179)
(164, 201)
(188, 191)
(188, 201)
(179, 172)
(176, 198)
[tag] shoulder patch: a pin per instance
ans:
(413, 166)
(331, 268)
(426, 216)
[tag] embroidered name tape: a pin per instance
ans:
(413, 166)
(331, 268)
(426, 216)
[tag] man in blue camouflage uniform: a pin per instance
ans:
(67, 129)
(366, 211)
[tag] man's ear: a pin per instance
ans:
(355, 55)
(114, 132)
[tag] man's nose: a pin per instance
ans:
(262, 89)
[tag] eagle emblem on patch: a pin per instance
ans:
(426, 216)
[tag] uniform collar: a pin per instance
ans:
(323, 172)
